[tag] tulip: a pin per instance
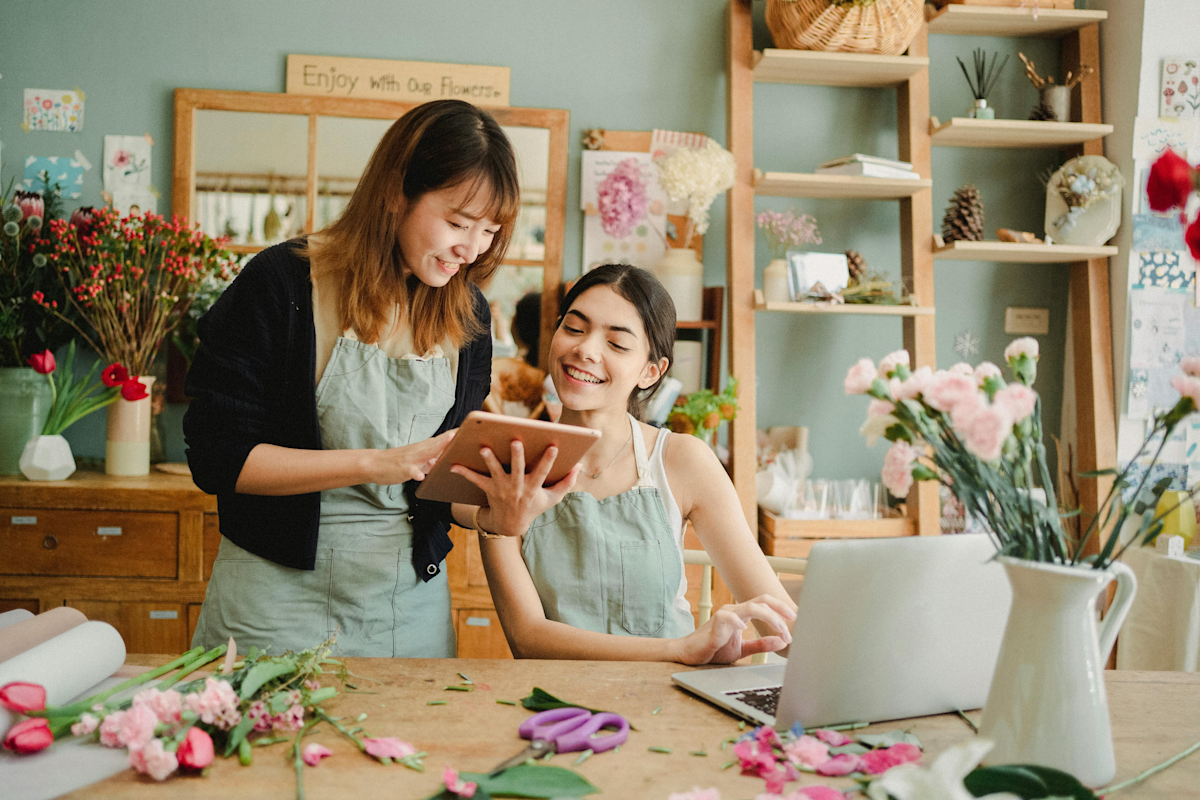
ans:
(1170, 182)
(30, 203)
(29, 736)
(42, 363)
(133, 389)
(196, 750)
(23, 697)
(114, 375)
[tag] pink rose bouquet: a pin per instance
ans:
(982, 438)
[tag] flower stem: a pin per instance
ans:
(192, 666)
(86, 705)
(320, 712)
(298, 761)
(1138, 779)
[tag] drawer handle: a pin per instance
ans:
(50, 542)
(479, 622)
(164, 615)
(24, 520)
(109, 530)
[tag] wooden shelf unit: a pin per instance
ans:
(760, 304)
(965, 132)
(966, 20)
(818, 68)
(1020, 252)
(794, 538)
(909, 75)
(846, 187)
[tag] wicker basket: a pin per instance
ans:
(886, 27)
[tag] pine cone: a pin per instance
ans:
(1043, 113)
(963, 220)
(857, 264)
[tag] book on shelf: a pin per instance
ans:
(867, 170)
(859, 158)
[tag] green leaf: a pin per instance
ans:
(237, 735)
(260, 674)
(541, 700)
(1096, 473)
(536, 781)
(854, 748)
(875, 740)
(1027, 781)
(279, 703)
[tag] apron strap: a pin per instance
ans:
(639, 453)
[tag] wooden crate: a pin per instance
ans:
(795, 538)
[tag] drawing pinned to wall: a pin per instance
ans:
(126, 162)
(624, 209)
(1157, 232)
(1165, 270)
(66, 172)
(53, 110)
(1179, 91)
(134, 200)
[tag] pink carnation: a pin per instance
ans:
(779, 776)
(753, 756)
(216, 705)
(1025, 346)
(860, 377)
(457, 785)
(879, 408)
(832, 738)
(842, 764)
(915, 385)
(388, 747)
(984, 431)
(87, 723)
(263, 721)
(623, 201)
(153, 760)
(807, 751)
(290, 720)
(963, 368)
(167, 706)
(877, 762)
(985, 370)
(1188, 387)
(891, 361)
(1191, 366)
(313, 753)
(1018, 400)
(948, 389)
(132, 728)
(897, 468)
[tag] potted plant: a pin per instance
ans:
(701, 413)
(131, 279)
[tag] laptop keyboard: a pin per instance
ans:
(764, 700)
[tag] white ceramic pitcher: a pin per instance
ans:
(1047, 703)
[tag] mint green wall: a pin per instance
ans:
(621, 64)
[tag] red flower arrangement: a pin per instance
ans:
(1171, 182)
(131, 279)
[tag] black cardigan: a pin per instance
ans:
(252, 381)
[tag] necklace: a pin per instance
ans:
(618, 455)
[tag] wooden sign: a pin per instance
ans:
(406, 81)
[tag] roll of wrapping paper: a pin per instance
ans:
(16, 639)
(67, 665)
(15, 616)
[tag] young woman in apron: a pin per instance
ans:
(328, 379)
(597, 572)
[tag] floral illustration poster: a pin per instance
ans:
(126, 163)
(625, 209)
(62, 170)
(1179, 93)
(53, 110)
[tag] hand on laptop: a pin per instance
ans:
(719, 641)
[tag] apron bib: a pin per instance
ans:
(611, 565)
(364, 587)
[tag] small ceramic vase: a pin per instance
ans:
(47, 458)
(682, 274)
(982, 111)
(127, 439)
(1058, 98)
(775, 282)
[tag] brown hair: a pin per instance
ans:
(654, 305)
(436, 145)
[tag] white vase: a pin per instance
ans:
(127, 438)
(47, 458)
(1047, 704)
(775, 282)
(683, 276)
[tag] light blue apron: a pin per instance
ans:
(364, 587)
(611, 565)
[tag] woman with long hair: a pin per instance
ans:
(328, 380)
(592, 568)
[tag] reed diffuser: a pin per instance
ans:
(984, 80)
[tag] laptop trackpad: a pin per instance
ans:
(737, 679)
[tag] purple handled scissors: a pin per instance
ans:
(565, 730)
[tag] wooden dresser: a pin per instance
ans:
(138, 553)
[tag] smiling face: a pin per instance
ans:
(445, 231)
(600, 353)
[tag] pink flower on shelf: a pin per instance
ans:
(1017, 399)
(915, 385)
(984, 431)
(807, 751)
(879, 408)
(153, 760)
(897, 468)
(1191, 366)
(622, 199)
(313, 753)
(832, 738)
(860, 377)
(216, 705)
(985, 370)
(388, 747)
(963, 368)
(1025, 346)
(877, 762)
(843, 764)
(947, 389)
(167, 706)
(891, 361)
(121, 159)
(87, 723)
(1187, 386)
(457, 785)
(696, 794)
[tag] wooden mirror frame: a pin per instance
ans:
(557, 121)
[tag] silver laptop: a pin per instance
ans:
(886, 629)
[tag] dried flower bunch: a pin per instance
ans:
(1083, 182)
(696, 176)
(786, 230)
(1072, 80)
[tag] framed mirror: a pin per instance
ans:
(262, 168)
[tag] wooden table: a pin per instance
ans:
(1155, 715)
